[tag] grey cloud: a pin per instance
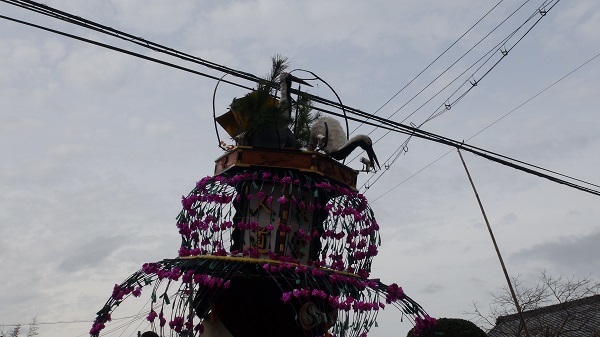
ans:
(509, 219)
(92, 252)
(571, 253)
(97, 148)
(432, 288)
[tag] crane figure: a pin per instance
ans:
(327, 135)
(285, 84)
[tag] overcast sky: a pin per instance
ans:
(97, 147)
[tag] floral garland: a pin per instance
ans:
(355, 299)
(329, 237)
(349, 234)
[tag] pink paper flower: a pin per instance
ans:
(152, 316)
(137, 292)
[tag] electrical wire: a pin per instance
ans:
(446, 105)
(120, 50)
(494, 48)
(73, 19)
(471, 83)
(314, 98)
(66, 322)
(63, 16)
(46, 10)
(429, 66)
(385, 124)
(495, 122)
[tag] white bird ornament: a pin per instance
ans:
(285, 86)
(327, 135)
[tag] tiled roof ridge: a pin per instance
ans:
(550, 308)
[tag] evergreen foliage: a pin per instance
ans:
(16, 331)
(304, 119)
(262, 110)
(259, 105)
(33, 328)
(454, 327)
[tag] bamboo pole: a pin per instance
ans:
(510, 287)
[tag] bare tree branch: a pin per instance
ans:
(557, 292)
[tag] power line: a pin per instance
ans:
(496, 121)
(172, 65)
(429, 66)
(120, 50)
(66, 322)
(385, 123)
(446, 105)
(64, 16)
(471, 82)
(314, 98)
(61, 15)
(76, 20)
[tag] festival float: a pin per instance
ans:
(277, 242)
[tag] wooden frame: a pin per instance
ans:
(305, 161)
